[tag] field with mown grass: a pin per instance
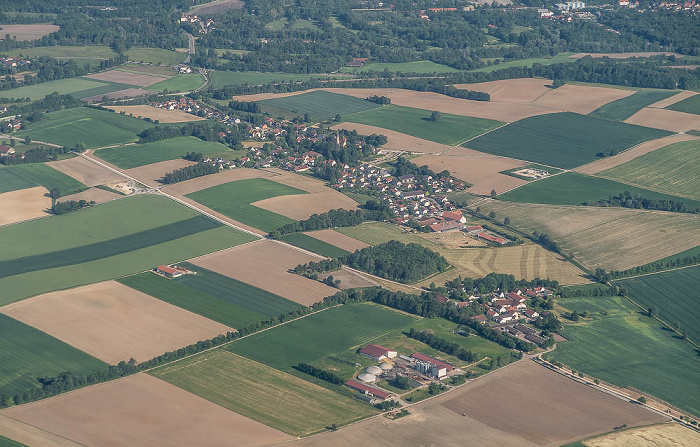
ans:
(30, 175)
(403, 67)
(688, 105)
(222, 78)
(234, 200)
(262, 393)
(62, 86)
(624, 347)
(624, 108)
(320, 105)
(312, 244)
(564, 140)
(449, 129)
(179, 83)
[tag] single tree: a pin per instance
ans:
(338, 118)
(492, 214)
(642, 400)
(574, 316)
(12, 142)
(506, 221)
(493, 193)
(27, 140)
(435, 116)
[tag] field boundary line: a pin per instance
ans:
(41, 429)
(656, 273)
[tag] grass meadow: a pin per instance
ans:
(624, 108)
(622, 346)
(449, 129)
(403, 67)
(218, 297)
(529, 62)
(688, 105)
(234, 200)
(319, 105)
(30, 175)
(155, 56)
(672, 169)
(564, 140)
(179, 83)
(92, 127)
(314, 337)
(312, 244)
(4, 442)
(673, 293)
(222, 78)
(27, 353)
(62, 86)
(133, 156)
(571, 188)
(262, 393)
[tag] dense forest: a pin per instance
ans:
(189, 172)
(405, 263)
(371, 210)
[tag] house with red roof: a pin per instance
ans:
(369, 390)
(378, 352)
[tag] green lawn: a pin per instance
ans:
(672, 169)
(688, 105)
(312, 244)
(102, 90)
(571, 188)
(529, 62)
(179, 83)
(375, 233)
(234, 200)
(277, 399)
(66, 51)
(127, 157)
(92, 127)
(564, 140)
(37, 174)
(319, 105)
(62, 86)
(449, 129)
(624, 347)
(277, 25)
(312, 338)
(217, 297)
(27, 353)
(222, 78)
(674, 294)
(403, 67)
(626, 107)
(155, 56)
(4, 442)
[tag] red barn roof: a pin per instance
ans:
(452, 215)
(168, 270)
(375, 351)
(433, 361)
(367, 389)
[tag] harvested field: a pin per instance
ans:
(124, 77)
(85, 171)
(397, 141)
(685, 94)
(665, 119)
(114, 322)
(28, 32)
(141, 410)
(96, 194)
(482, 170)
(580, 98)
(154, 113)
(24, 204)
(265, 264)
(612, 238)
(126, 93)
(523, 90)
(349, 279)
(661, 435)
(338, 239)
(30, 436)
(156, 70)
(150, 174)
(551, 411)
(624, 55)
(632, 153)
(301, 206)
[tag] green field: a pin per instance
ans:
(571, 188)
(450, 129)
(673, 293)
(315, 245)
(403, 67)
(624, 108)
(102, 90)
(27, 353)
(92, 127)
(62, 86)
(217, 297)
(529, 62)
(375, 233)
(624, 347)
(64, 51)
(319, 105)
(672, 169)
(564, 140)
(179, 83)
(314, 337)
(4, 442)
(234, 200)
(222, 78)
(155, 56)
(277, 399)
(688, 105)
(127, 157)
(37, 174)
(104, 242)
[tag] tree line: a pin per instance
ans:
(39, 154)
(637, 201)
(443, 345)
(319, 373)
(69, 206)
(189, 172)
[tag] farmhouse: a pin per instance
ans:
(378, 352)
(446, 226)
(491, 238)
(6, 150)
(368, 390)
(454, 216)
(168, 271)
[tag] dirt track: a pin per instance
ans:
(24, 204)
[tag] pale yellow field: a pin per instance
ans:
(154, 113)
(662, 435)
(96, 194)
(580, 98)
(685, 94)
(31, 436)
(523, 90)
(150, 174)
(28, 32)
(24, 204)
(665, 119)
(113, 322)
(397, 141)
(338, 239)
(123, 77)
(85, 171)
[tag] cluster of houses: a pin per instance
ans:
(11, 124)
(680, 6)
(506, 307)
(6, 151)
(206, 25)
(191, 106)
(10, 62)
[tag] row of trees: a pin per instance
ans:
(637, 201)
(319, 373)
(39, 154)
(189, 172)
(603, 275)
(373, 210)
(443, 345)
(69, 206)
(203, 131)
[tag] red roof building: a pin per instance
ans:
(378, 352)
(447, 225)
(379, 394)
(433, 361)
(168, 271)
(490, 238)
(440, 298)
(454, 215)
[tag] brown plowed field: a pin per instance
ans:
(479, 169)
(397, 141)
(348, 279)
(114, 322)
(126, 93)
(624, 55)
(631, 154)
(24, 204)
(123, 77)
(150, 174)
(665, 119)
(85, 171)
(338, 239)
(581, 98)
(154, 113)
(98, 195)
(523, 90)
(521, 405)
(28, 32)
(31, 436)
(660, 435)
(265, 264)
(673, 99)
(142, 411)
